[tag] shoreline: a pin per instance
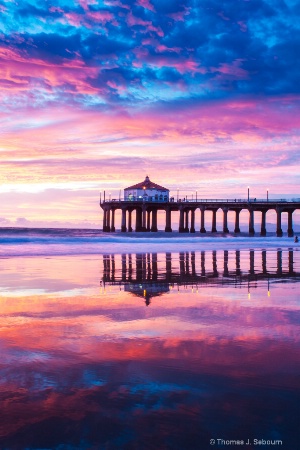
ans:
(197, 235)
(48, 243)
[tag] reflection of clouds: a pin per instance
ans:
(102, 363)
(139, 381)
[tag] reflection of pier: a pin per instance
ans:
(150, 274)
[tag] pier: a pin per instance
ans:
(146, 214)
(146, 199)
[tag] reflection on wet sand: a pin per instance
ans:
(89, 368)
(150, 274)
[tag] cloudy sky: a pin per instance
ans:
(200, 95)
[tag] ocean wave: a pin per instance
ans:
(47, 242)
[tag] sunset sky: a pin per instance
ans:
(199, 95)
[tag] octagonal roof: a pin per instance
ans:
(147, 184)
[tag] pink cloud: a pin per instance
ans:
(121, 88)
(243, 26)
(233, 69)
(180, 15)
(90, 18)
(159, 48)
(180, 64)
(116, 3)
(56, 9)
(222, 15)
(25, 74)
(147, 24)
(145, 4)
(85, 3)
(245, 122)
(164, 48)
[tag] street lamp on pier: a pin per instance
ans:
(267, 195)
(248, 193)
(177, 194)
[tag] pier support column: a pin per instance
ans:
(202, 225)
(130, 220)
(108, 220)
(237, 221)
(112, 228)
(214, 221)
(144, 228)
(154, 220)
(192, 230)
(181, 220)
(123, 225)
(186, 227)
(225, 220)
(104, 220)
(148, 221)
(290, 223)
(263, 230)
(251, 222)
(278, 225)
(138, 220)
(168, 227)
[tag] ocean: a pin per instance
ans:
(113, 341)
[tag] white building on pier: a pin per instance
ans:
(147, 191)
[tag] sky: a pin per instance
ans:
(95, 95)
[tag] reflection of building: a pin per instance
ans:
(147, 290)
(146, 191)
(150, 275)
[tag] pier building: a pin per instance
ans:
(146, 191)
(147, 198)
